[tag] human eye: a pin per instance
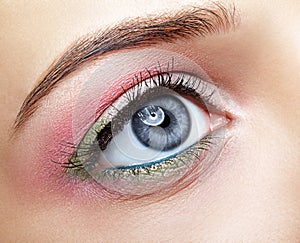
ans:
(161, 132)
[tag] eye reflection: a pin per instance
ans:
(152, 116)
(152, 136)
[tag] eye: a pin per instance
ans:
(153, 135)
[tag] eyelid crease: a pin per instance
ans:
(139, 32)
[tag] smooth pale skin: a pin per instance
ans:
(253, 197)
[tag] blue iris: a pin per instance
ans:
(159, 125)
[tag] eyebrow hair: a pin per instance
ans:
(139, 32)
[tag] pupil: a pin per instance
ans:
(166, 122)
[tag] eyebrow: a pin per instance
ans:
(139, 32)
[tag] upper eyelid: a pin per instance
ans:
(193, 21)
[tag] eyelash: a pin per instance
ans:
(182, 85)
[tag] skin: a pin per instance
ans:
(253, 194)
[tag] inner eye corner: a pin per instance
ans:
(230, 117)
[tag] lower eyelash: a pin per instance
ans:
(76, 168)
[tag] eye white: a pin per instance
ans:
(126, 150)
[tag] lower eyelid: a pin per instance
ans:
(195, 173)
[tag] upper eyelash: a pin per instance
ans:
(180, 84)
(164, 79)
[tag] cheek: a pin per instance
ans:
(264, 175)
